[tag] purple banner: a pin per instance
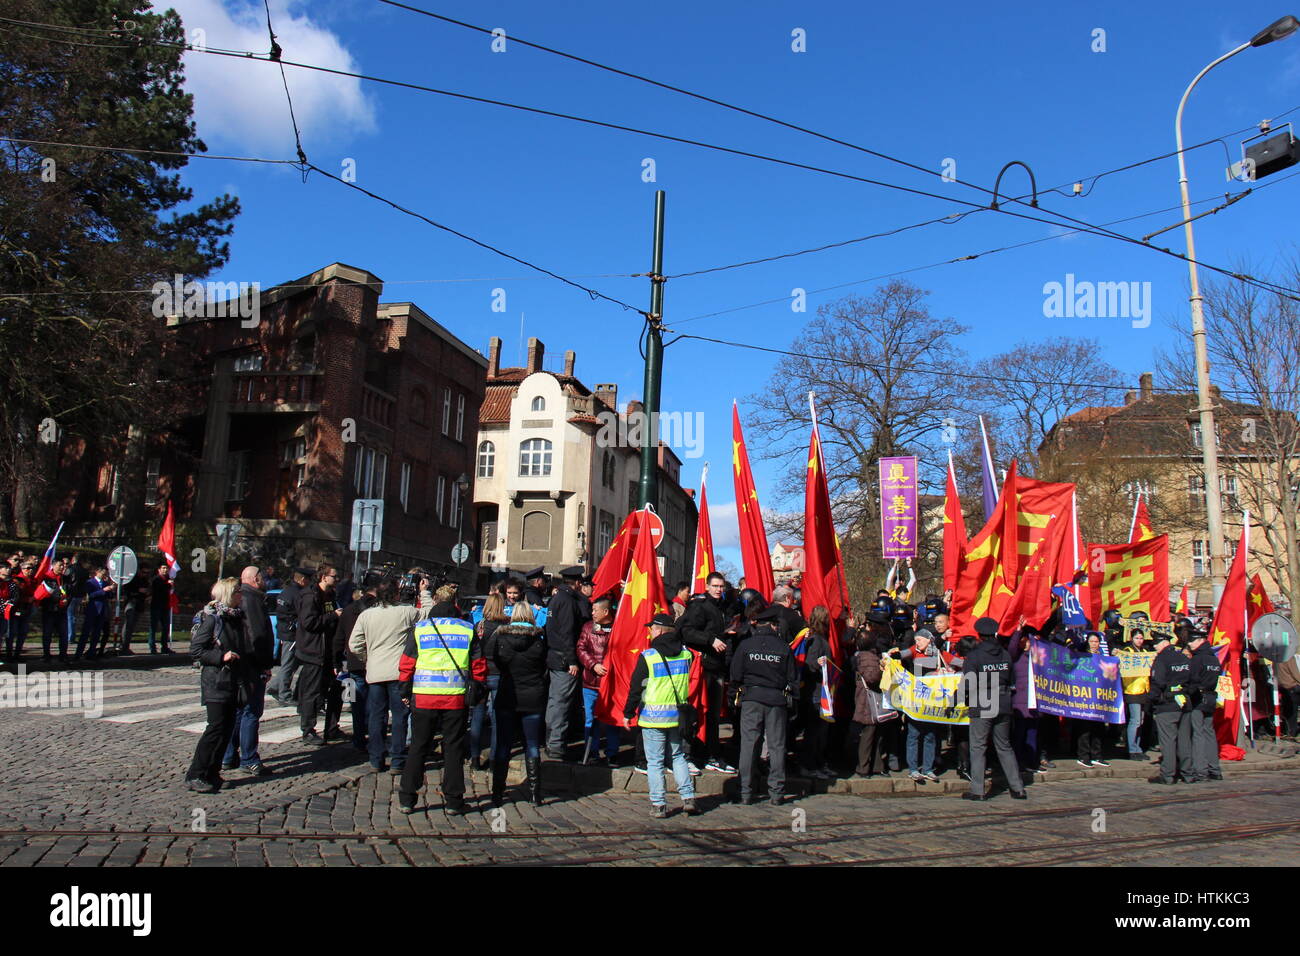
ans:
(898, 514)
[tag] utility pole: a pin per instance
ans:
(654, 364)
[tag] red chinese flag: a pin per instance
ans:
(1141, 530)
(643, 598)
(167, 541)
(955, 541)
(980, 577)
(1032, 601)
(823, 576)
(753, 539)
(1229, 628)
(1128, 577)
(613, 566)
(1181, 607)
(704, 565)
(1258, 604)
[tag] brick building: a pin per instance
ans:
(330, 396)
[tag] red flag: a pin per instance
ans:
(1032, 601)
(1229, 628)
(613, 566)
(704, 565)
(823, 576)
(1128, 577)
(955, 541)
(1181, 607)
(643, 598)
(753, 539)
(1141, 529)
(1258, 604)
(167, 542)
(980, 575)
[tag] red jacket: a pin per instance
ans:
(592, 645)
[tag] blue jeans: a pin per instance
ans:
(486, 708)
(509, 724)
(384, 699)
(243, 736)
(360, 716)
(73, 605)
(1134, 709)
(656, 740)
(927, 735)
(589, 698)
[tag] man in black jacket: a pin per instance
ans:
(258, 656)
(286, 614)
(317, 621)
(789, 621)
(355, 666)
(1170, 702)
(764, 666)
(1203, 673)
(988, 668)
(563, 625)
(705, 628)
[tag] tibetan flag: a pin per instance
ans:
(42, 590)
(643, 598)
(823, 575)
(1258, 604)
(753, 539)
(704, 565)
(830, 684)
(1129, 577)
(1181, 607)
(613, 566)
(167, 542)
(1141, 529)
(799, 647)
(955, 541)
(1229, 628)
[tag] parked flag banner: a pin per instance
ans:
(1129, 577)
(898, 513)
(931, 698)
(1070, 684)
(754, 552)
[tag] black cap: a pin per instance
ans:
(305, 572)
(664, 620)
(587, 579)
(535, 573)
(573, 573)
(771, 612)
(986, 627)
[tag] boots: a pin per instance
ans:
(533, 766)
(499, 771)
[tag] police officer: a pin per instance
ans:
(764, 666)
(535, 593)
(991, 663)
(563, 626)
(1170, 702)
(1203, 680)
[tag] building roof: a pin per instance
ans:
(495, 409)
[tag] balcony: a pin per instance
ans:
(378, 406)
(294, 391)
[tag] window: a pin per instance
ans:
(361, 476)
(371, 473)
(537, 531)
(539, 404)
(535, 458)
(446, 410)
(437, 500)
(1228, 488)
(114, 484)
(487, 459)
(151, 473)
(292, 450)
(404, 489)
(249, 363)
(380, 485)
(419, 406)
(460, 417)
(300, 475)
(604, 534)
(1197, 433)
(453, 513)
(239, 476)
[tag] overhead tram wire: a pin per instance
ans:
(1083, 226)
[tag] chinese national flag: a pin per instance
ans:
(613, 566)
(704, 565)
(1128, 577)
(823, 576)
(1229, 628)
(1032, 601)
(167, 541)
(1258, 603)
(1181, 607)
(753, 539)
(980, 576)
(954, 530)
(1141, 530)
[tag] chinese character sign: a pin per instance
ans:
(898, 513)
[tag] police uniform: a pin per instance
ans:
(765, 668)
(660, 683)
(532, 594)
(1203, 673)
(1170, 702)
(990, 658)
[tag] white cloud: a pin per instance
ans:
(241, 103)
(722, 522)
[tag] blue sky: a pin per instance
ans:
(925, 82)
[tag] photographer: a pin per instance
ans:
(219, 645)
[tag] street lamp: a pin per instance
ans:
(1209, 452)
(462, 484)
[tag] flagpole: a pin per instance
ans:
(1245, 626)
(1132, 525)
(695, 561)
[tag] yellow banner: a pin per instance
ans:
(932, 698)
(1135, 669)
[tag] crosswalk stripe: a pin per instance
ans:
(142, 715)
(273, 714)
(280, 736)
(123, 688)
(124, 706)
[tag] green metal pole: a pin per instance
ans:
(654, 365)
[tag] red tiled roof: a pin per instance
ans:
(1092, 414)
(584, 420)
(496, 404)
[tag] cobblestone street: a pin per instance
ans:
(114, 786)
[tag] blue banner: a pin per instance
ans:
(1067, 683)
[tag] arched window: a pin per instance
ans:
(537, 531)
(534, 458)
(487, 459)
(539, 404)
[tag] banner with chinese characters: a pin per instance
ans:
(1128, 577)
(933, 698)
(898, 512)
(1070, 684)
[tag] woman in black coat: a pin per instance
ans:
(219, 645)
(519, 653)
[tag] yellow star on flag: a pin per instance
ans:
(638, 587)
(735, 455)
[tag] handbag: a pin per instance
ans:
(473, 689)
(687, 718)
(876, 704)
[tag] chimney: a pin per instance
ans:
(1147, 390)
(536, 350)
(634, 407)
(569, 358)
(494, 357)
(1130, 397)
(608, 394)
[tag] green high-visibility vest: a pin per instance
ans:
(435, 666)
(668, 684)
